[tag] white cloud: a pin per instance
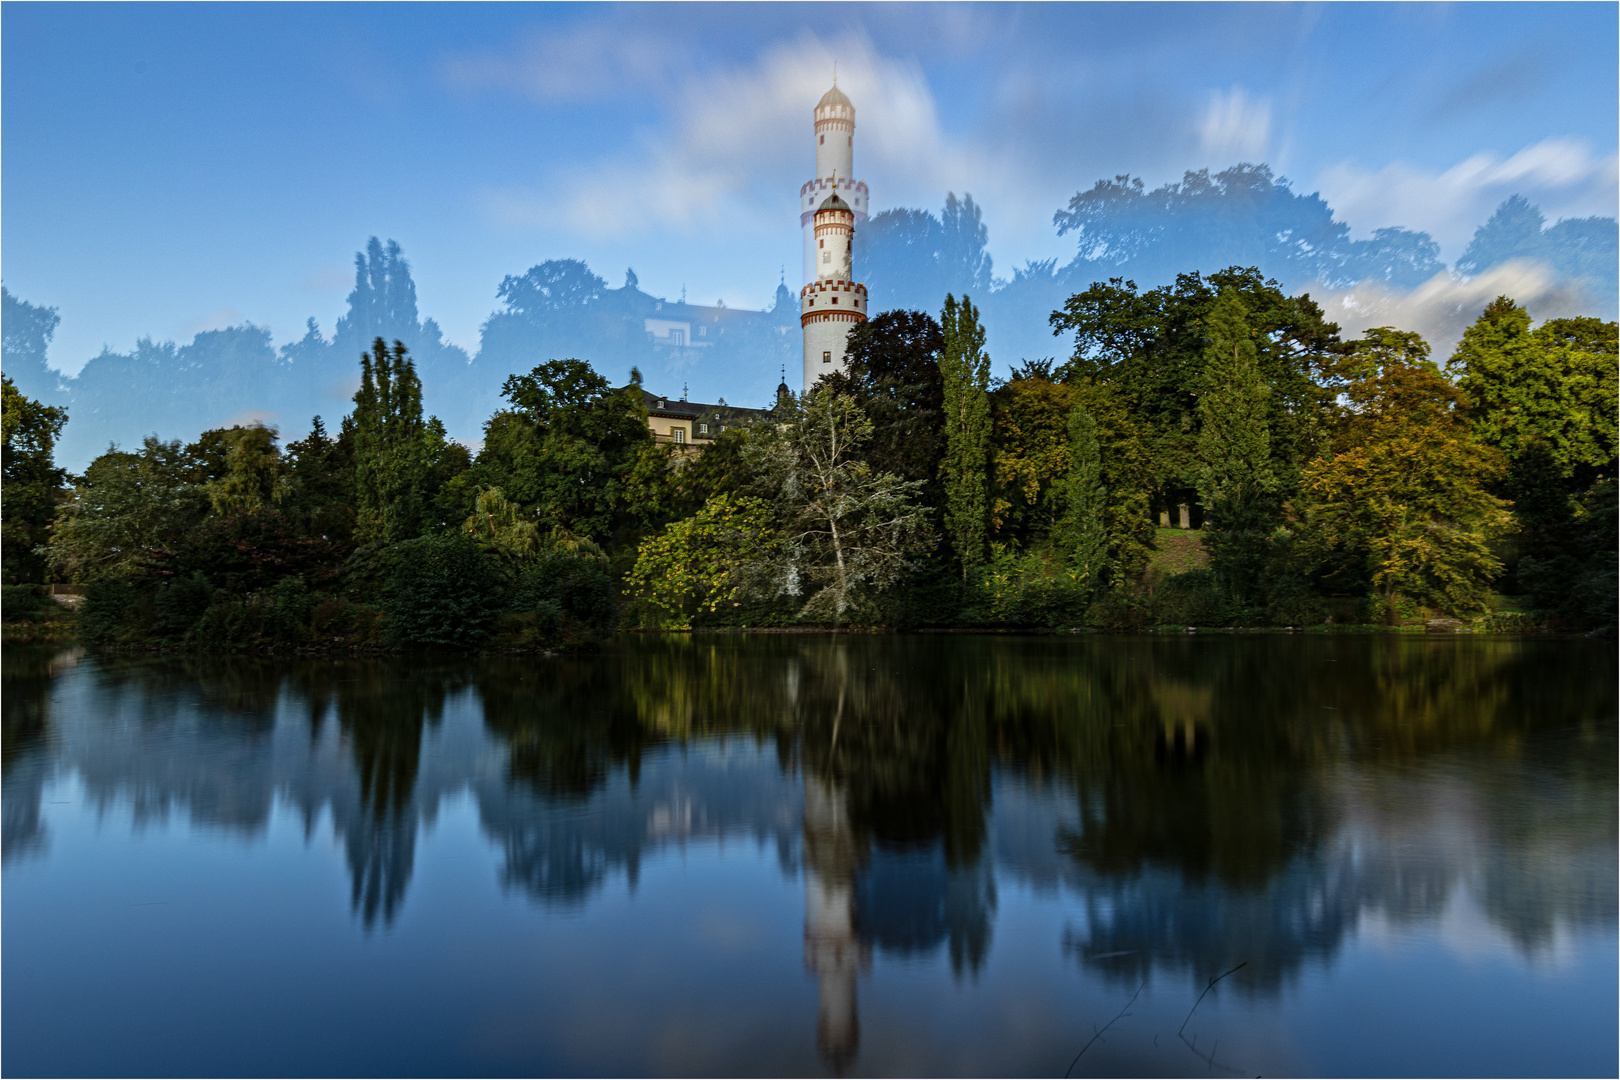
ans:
(1565, 177)
(1444, 306)
(1235, 126)
(735, 145)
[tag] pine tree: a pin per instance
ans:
(1082, 531)
(965, 369)
(1236, 481)
(391, 458)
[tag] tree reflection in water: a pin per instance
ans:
(1204, 801)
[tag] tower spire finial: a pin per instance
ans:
(835, 73)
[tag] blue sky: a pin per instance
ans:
(172, 168)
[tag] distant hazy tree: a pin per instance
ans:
(31, 484)
(1585, 249)
(911, 258)
(1243, 215)
(27, 331)
(965, 372)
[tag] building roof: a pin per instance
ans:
(677, 409)
(834, 96)
(833, 202)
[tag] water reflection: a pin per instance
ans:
(1201, 802)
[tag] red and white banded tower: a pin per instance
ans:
(830, 206)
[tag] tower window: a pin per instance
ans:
(823, 140)
(835, 299)
(826, 358)
(821, 243)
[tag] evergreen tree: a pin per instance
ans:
(391, 460)
(1082, 532)
(1236, 482)
(965, 370)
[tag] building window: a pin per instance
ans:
(703, 331)
(677, 337)
(678, 434)
(826, 358)
(703, 429)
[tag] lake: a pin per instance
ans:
(812, 854)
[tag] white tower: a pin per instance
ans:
(831, 301)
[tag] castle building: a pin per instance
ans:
(832, 301)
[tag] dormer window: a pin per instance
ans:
(703, 429)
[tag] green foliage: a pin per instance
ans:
(965, 471)
(707, 565)
(1150, 349)
(1030, 452)
(252, 478)
(1082, 531)
(393, 451)
(1402, 502)
(848, 533)
(1555, 385)
(1233, 471)
(31, 482)
(570, 448)
(443, 591)
(1127, 479)
(1031, 588)
(895, 377)
(571, 595)
(125, 509)
(25, 603)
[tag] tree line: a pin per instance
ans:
(1326, 480)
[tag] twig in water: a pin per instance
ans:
(1122, 1015)
(1207, 989)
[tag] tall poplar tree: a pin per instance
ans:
(1236, 481)
(965, 370)
(1082, 531)
(391, 458)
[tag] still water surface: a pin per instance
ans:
(803, 855)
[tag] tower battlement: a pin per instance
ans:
(830, 207)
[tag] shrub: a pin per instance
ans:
(112, 605)
(24, 603)
(442, 591)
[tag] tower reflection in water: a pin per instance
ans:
(833, 953)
